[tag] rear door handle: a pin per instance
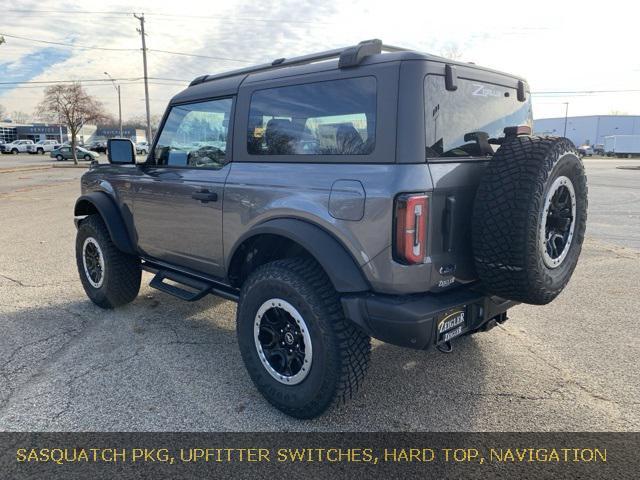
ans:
(205, 196)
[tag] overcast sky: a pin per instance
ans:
(556, 45)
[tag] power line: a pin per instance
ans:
(84, 47)
(584, 92)
(66, 81)
(171, 15)
(196, 55)
(66, 12)
(7, 89)
(250, 19)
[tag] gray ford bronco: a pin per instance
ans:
(336, 197)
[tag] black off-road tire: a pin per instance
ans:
(341, 350)
(122, 272)
(508, 215)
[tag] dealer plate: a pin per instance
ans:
(451, 324)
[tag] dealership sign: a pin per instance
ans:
(115, 132)
(36, 129)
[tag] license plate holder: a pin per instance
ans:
(451, 324)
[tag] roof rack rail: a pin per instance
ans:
(348, 57)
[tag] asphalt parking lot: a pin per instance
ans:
(159, 364)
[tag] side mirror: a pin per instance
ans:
(121, 151)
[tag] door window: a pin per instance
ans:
(195, 135)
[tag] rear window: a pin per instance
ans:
(325, 118)
(461, 123)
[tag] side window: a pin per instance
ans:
(325, 118)
(195, 135)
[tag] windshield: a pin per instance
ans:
(461, 123)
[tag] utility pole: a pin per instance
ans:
(146, 82)
(566, 116)
(117, 87)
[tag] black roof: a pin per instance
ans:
(365, 53)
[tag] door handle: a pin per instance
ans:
(205, 196)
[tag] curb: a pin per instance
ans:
(71, 166)
(24, 169)
(629, 167)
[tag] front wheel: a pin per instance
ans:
(15, 151)
(300, 351)
(87, 158)
(59, 158)
(109, 276)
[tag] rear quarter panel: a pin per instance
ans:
(257, 192)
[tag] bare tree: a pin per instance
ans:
(140, 121)
(71, 105)
(20, 117)
(451, 51)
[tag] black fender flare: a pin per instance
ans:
(106, 207)
(333, 257)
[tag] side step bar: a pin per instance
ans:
(196, 287)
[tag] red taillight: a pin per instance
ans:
(411, 228)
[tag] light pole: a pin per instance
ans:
(117, 87)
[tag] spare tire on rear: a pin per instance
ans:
(529, 219)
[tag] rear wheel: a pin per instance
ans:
(110, 277)
(530, 218)
(300, 351)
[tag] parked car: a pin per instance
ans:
(598, 149)
(142, 148)
(43, 146)
(64, 152)
(585, 150)
(17, 146)
(98, 146)
(347, 209)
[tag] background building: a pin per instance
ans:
(589, 130)
(37, 131)
(105, 133)
(10, 131)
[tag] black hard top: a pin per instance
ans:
(223, 84)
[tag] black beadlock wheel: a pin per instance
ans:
(529, 219)
(299, 350)
(110, 277)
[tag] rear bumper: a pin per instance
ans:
(411, 320)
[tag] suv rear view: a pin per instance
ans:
(337, 197)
